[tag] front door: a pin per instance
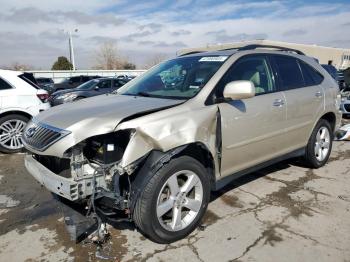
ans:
(252, 129)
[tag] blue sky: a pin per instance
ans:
(34, 31)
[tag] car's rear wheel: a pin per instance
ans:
(11, 129)
(320, 145)
(174, 201)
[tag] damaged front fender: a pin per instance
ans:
(161, 132)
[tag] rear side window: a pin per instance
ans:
(289, 72)
(4, 85)
(311, 76)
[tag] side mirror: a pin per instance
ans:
(239, 89)
(97, 88)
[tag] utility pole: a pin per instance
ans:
(71, 49)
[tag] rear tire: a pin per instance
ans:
(319, 146)
(11, 129)
(174, 201)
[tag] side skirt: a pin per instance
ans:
(228, 179)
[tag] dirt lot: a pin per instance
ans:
(283, 213)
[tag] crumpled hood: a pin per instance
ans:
(100, 114)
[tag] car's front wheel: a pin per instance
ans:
(174, 201)
(11, 129)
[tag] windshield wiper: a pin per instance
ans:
(143, 94)
(138, 94)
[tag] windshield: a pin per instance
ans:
(180, 78)
(88, 85)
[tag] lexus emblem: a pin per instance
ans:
(30, 132)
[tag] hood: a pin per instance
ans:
(100, 114)
(61, 92)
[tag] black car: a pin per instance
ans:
(93, 87)
(45, 83)
(74, 81)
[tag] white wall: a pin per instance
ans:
(59, 75)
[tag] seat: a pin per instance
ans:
(254, 76)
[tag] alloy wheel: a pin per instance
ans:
(322, 143)
(179, 200)
(11, 134)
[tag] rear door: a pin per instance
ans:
(7, 95)
(304, 97)
(253, 128)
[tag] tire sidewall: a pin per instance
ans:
(181, 163)
(311, 147)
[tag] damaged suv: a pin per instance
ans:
(157, 147)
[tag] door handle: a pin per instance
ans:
(318, 94)
(278, 102)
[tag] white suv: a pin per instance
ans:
(20, 100)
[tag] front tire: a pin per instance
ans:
(174, 201)
(11, 129)
(319, 146)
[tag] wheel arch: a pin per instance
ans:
(151, 163)
(16, 112)
(331, 118)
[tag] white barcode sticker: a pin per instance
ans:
(213, 59)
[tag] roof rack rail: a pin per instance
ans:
(191, 53)
(281, 48)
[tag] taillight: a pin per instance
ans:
(43, 97)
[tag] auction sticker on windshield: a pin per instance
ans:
(213, 59)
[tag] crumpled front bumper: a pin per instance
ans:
(65, 187)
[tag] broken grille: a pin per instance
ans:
(40, 136)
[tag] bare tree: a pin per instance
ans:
(155, 60)
(18, 67)
(107, 57)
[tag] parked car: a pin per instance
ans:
(345, 101)
(45, 83)
(20, 100)
(72, 82)
(155, 150)
(91, 88)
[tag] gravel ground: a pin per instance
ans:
(282, 213)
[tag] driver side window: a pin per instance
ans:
(252, 68)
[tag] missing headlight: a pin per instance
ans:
(108, 148)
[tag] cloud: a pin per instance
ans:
(177, 44)
(55, 35)
(28, 49)
(36, 15)
(163, 44)
(180, 32)
(131, 37)
(295, 32)
(102, 39)
(154, 27)
(221, 36)
(29, 15)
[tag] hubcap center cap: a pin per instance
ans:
(180, 199)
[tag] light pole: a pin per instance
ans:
(71, 49)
